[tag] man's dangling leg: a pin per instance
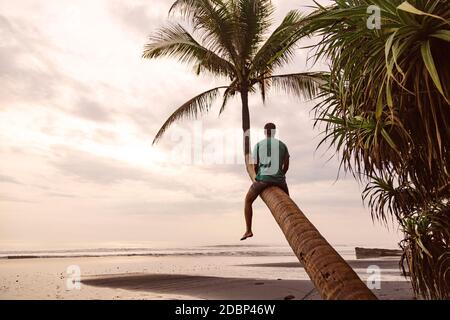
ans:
(251, 196)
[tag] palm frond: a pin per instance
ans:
(191, 109)
(304, 85)
(264, 85)
(175, 41)
(386, 112)
(213, 20)
(426, 257)
(228, 93)
(396, 76)
(253, 18)
(280, 46)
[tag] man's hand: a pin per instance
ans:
(286, 164)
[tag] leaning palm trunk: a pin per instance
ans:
(333, 278)
(331, 275)
(232, 34)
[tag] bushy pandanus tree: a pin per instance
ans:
(386, 111)
(229, 41)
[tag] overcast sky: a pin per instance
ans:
(79, 108)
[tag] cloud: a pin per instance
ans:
(28, 72)
(91, 110)
(90, 168)
(8, 179)
(138, 16)
(103, 136)
(185, 208)
(30, 76)
(4, 198)
(61, 195)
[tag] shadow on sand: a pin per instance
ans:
(205, 287)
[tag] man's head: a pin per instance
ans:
(269, 130)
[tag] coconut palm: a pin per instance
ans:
(229, 41)
(386, 111)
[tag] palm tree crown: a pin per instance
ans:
(232, 43)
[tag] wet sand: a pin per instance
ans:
(218, 288)
(238, 278)
(205, 287)
(386, 263)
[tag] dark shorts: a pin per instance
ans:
(259, 186)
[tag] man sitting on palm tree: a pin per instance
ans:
(271, 164)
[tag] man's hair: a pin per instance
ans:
(270, 129)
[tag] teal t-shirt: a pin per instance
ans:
(271, 153)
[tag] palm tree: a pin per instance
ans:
(232, 44)
(386, 111)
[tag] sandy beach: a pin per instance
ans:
(180, 277)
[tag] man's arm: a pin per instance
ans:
(256, 158)
(286, 163)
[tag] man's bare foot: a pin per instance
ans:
(247, 235)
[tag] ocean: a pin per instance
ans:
(347, 252)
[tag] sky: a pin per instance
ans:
(79, 108)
